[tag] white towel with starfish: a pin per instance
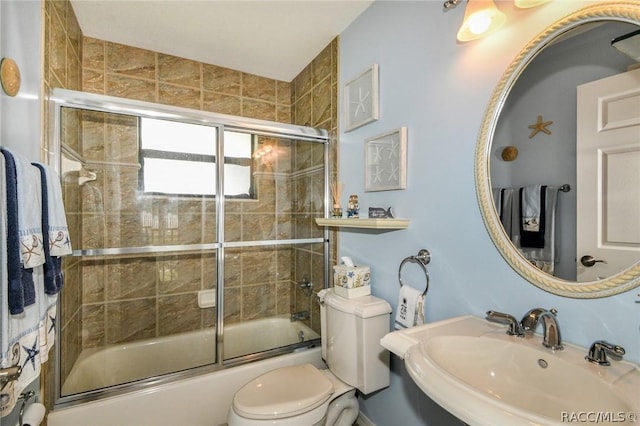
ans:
(530, 208)
(25, 338)
(58, 232)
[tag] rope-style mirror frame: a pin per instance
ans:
(619, 283)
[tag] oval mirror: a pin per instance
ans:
(557, 164)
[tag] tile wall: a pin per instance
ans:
(62, 68)
(259, 282)
(314, 102)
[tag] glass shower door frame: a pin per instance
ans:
(61, 98)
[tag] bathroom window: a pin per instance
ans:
(180, 159)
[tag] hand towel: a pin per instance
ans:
(52, 266)
(532, 216)
(29, 210)
(410, 310)
(26, 340)
(21, 290)
(503, 200)
(57, 230)
(27, 336)
(545, 257)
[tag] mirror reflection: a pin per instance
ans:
(565, 173)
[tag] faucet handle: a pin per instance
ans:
(514, 328)
(599, 350)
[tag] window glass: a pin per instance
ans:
(164, 135)
(179, 177)
(180, 158)
(237, 144)
(238, 148)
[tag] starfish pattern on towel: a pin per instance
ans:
(53, 323)
(31, 354)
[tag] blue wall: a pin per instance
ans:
(439, 89)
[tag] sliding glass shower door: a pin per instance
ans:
(185, 226)
(272, 246)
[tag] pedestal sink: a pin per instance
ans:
(484, 377)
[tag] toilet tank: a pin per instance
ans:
(351, 333)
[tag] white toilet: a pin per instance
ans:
(304, 395)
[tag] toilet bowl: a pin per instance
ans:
(303, 395)
(294, 396)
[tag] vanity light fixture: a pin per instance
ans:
(481, 17)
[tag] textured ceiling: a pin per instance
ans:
(274, 39)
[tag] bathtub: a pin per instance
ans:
(102, 367)
(197, 400)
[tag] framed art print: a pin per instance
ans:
(361, 99)
(385, 165)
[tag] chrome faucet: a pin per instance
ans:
(529, 321)
(598, 352)
(513, 328)
(298, 316)
(551, 337)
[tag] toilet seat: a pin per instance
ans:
(284, 392)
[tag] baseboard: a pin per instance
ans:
(364, 420)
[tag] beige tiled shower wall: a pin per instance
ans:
(123, 71)
(314, 102)
(103, 297)
(62, 68)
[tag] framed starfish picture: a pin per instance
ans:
(361, 99)
(385, 165)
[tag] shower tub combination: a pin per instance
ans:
(202, 399)
(113, 365)
(178, 296)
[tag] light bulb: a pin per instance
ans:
(481, 17)
(479, 23)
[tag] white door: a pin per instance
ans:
(608, 175)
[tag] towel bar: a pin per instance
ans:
(422, 258)
(9, 374)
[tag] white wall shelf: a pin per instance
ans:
(395, 223)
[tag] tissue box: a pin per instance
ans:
(351, 281)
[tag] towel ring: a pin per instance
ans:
(422, 258)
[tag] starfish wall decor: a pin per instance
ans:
(362, 99)
(540, 126)
(385, 161)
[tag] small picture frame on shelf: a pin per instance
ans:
(385, 165)
(361, 102)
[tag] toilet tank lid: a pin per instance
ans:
(363, 307)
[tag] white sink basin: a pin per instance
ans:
(475, 371)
